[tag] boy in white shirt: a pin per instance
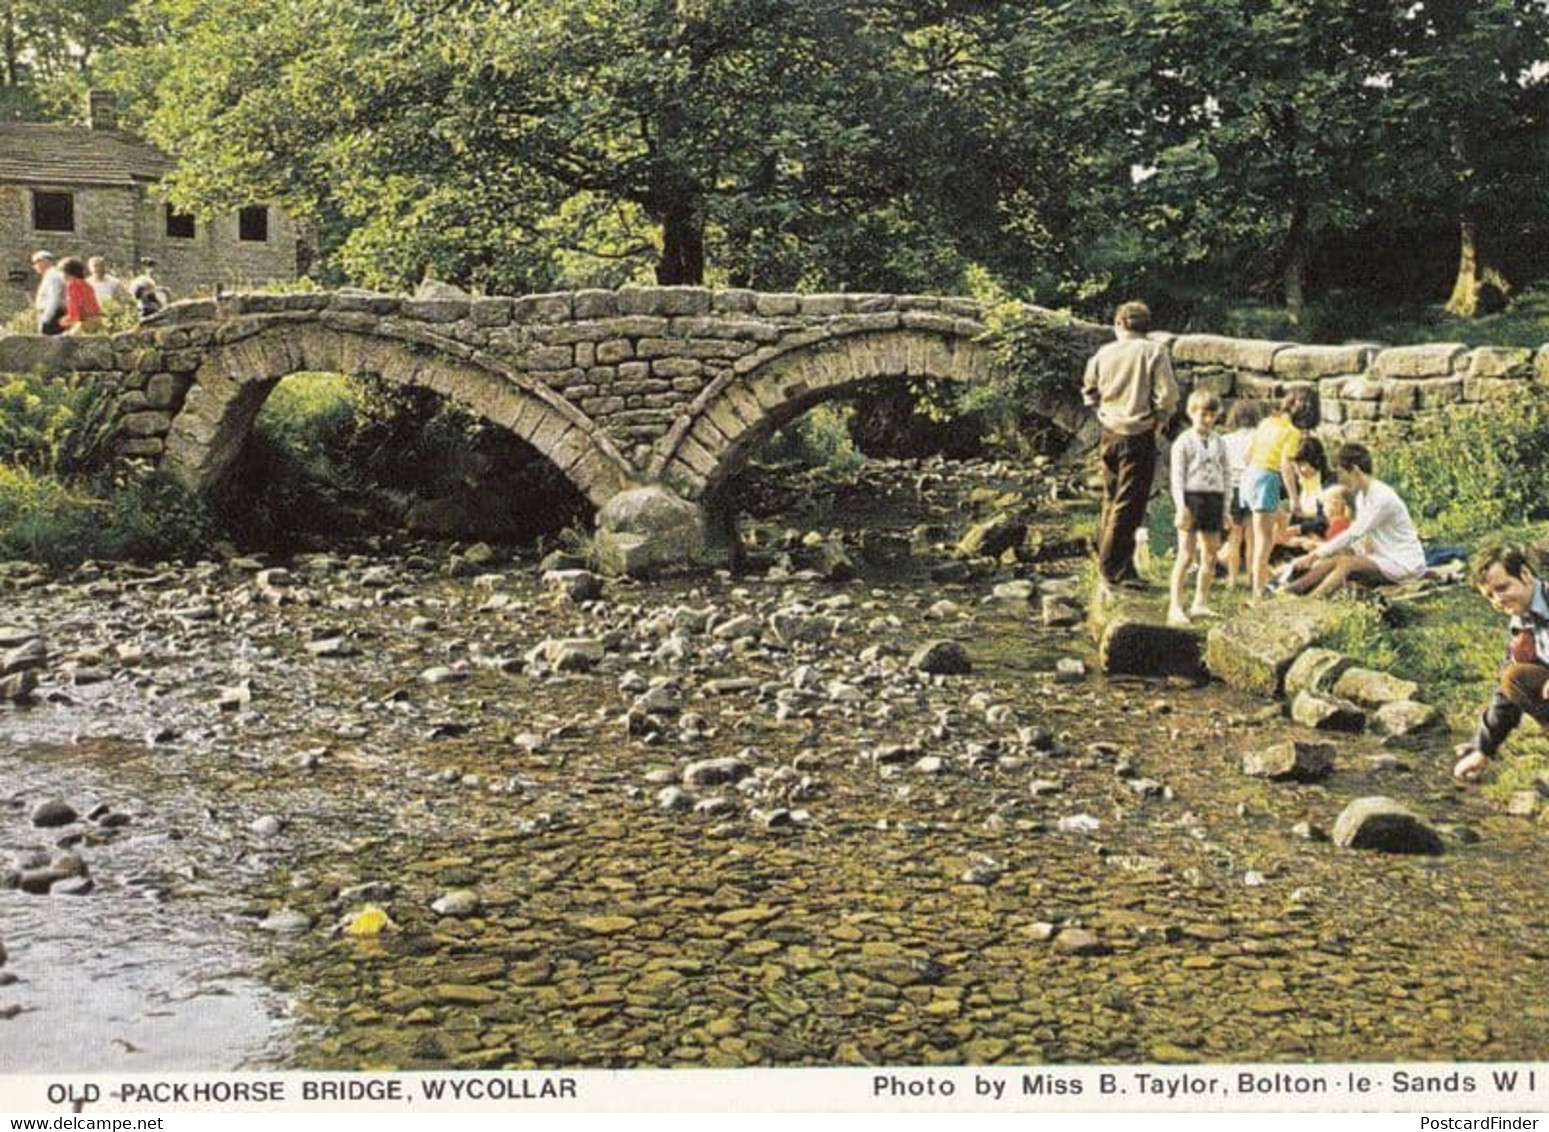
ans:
(1201, 475)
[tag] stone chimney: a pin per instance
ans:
(101, 110)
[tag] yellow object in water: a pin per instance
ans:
(369, 921)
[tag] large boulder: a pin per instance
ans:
(32, 654)
(1137, 648)
(1382, 824)
(573, 585)
(649, 530)
(1255, 650)
(18, 686)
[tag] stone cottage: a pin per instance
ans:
(91, 190)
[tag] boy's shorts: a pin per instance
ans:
(1261, 489)
(1203, 511)
(1237, 510)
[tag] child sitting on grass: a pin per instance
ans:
(1338, 509)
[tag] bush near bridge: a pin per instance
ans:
(64, 498)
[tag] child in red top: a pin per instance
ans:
(1335, 502)
(82, 311)
(1337, 509)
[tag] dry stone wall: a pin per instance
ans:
(1365, 392)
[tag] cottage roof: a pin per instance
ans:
(51, 154)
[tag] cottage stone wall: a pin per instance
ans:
(125, 224)
(106, 223)
(215, 254)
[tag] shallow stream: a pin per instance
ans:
(995, 867)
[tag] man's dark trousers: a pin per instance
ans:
(1129, 464)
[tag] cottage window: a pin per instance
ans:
(180, 225)
(53, 212)
(253, 224)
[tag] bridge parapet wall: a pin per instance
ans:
(631, 361)
(675, 385)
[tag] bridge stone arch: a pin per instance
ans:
(721, 429)
(235, 377)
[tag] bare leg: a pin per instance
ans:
(1209, 543)
(1175, 614)
(1263, 542)
(1349, 568)
(1234, 550)
(1312, 576)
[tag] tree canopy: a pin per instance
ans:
(1067, 151)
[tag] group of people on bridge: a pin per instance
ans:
(73, 294)
(1265, 485)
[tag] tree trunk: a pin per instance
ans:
(1296, 264)
(10, 53)
(1465, 290)
(683, 245)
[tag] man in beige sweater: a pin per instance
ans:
(1131, 385)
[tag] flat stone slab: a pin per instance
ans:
(1500, 361)
(1256, 649)
(1239, 353)
(1431, 359)
(1316, 670)
(1404, 718)
(1327, 713)
(1307, 363)
(1373, 689)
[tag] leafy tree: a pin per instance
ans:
(516, 145)
(48, 49)
(1469, 105)
(1266, 122)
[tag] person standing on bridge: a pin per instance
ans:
(83, 314)
(50, 300)
(111, 290)
(1131, 385)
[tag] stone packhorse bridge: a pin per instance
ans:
(647, 399)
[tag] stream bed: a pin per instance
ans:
(419, 807)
